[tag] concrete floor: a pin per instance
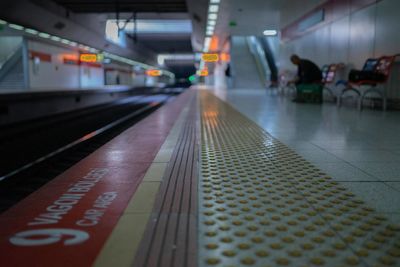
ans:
(361, 150)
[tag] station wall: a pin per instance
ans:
(57, 67)
(54, 67)
(368, 32)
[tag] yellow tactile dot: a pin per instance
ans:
(307, 246)
(252, 228)
(287, 239)
(282, 261)
(362, 253)
(211, 233)
(243, 246)
(299, 233)
(339, 245)
(213, 261)
(224, 228)
(270, 233)
(328, 253)
(294, 253)
(226, 239)
(387, 260)
(379, 238)
(282, 228)
(395, 252)
(276, 246)
(349, 239)
(318, 239)
(317, 261)
(229, 253)
(211, 246)
(247, 261)
(209, 222)
(262, 253)
(257, 240)
(394, 227)
(371, 245)
(240, 233)
(352, 260)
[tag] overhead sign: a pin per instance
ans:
(153, 73)
(88, 58)
(210, 57)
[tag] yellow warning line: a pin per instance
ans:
(121, 246)
(261, 204)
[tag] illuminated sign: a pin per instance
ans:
(210, 57)
(225, 57)
(88, 58)
(202, 72)
(153, 73)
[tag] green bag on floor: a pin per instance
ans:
(309, 92)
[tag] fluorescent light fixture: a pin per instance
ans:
(44, 35)
(212, 22)
(91, 49)
(212, 16)
(65, 41)
(270, 32)
(55, 38)
(214, 1)
(213, 8)
(16, 27)
(31, 31)
(210, 28)
(209, 32)
(207, 41)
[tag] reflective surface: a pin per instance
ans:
(360, 150)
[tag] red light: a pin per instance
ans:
(153, 73)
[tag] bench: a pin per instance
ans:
(380, 67)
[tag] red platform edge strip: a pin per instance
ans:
(67, 221)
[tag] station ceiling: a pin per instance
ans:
(98, 6)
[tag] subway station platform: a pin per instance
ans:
(222, 178)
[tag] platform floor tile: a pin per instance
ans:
(261, 204)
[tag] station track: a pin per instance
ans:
(47, 148)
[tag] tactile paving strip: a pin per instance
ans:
(261, 204)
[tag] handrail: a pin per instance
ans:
(10, 62)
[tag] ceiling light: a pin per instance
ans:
(214, 1)
(212, 16)
(55, 38)
(16, 27)
(3, 22)
(210, 28)
(31, 31)
(210, 32)
(65, 41)
(213, 8)
(44, 35)
(270, 32)
(212, 22)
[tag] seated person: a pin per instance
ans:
(307, 73)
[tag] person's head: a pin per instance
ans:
(295, 59)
